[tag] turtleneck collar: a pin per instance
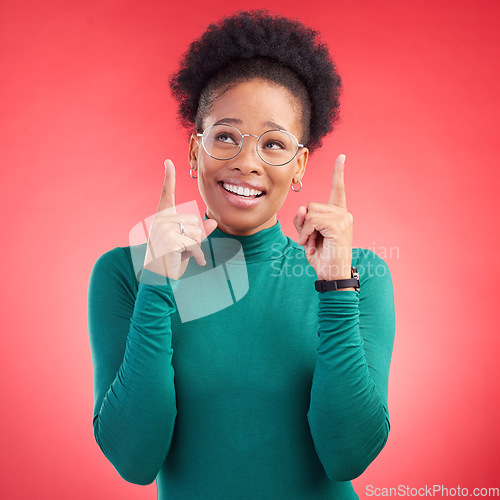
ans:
(266, 244)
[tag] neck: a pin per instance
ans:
(266, 244)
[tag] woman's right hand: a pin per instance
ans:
(168, 250)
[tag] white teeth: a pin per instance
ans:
(240, 190)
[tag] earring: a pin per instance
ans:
(296, 190)
(191, 173)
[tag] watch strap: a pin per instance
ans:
(325, 286)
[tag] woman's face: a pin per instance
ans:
(253, 107)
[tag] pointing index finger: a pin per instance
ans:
(337, 194)
(167, 198)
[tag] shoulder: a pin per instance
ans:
(375, 278)
(369, 264)
(111, 261)
(120, 264)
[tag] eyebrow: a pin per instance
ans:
(237, 121)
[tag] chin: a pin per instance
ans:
(243, 222)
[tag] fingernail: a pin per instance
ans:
(343, 160)
(165, 165)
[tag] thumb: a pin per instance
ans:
(209, 226)
(299, 219)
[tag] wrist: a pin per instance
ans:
(334, 272)
(351, 283)
(333, 277)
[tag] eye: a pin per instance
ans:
(273, 144)
(226, 138)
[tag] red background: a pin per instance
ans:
(87, 121)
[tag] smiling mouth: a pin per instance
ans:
(244, 192)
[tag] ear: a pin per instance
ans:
(194, 151)
(302, 157)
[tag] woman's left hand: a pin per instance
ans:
(325, 230)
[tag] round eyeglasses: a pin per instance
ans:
(275, 147)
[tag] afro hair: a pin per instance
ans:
(253, 44)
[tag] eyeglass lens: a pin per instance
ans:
(224, 142)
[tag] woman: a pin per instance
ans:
(252, 370)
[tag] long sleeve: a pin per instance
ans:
(348, 414)
(131, 344)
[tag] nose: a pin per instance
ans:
(248, 161)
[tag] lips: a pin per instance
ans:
(241, 194)
(242, 190)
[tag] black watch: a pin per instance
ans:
(325, 286)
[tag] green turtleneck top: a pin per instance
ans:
(239, 380)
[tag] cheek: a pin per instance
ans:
(281, 186)
(282, 180)
(206, 171)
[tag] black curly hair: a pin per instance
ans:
(256, 44)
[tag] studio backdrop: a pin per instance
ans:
(87, 121)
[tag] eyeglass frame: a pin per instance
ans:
(256, 144)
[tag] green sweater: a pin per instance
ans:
(239, 380)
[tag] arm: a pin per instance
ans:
(134, 395)
(348, 414)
